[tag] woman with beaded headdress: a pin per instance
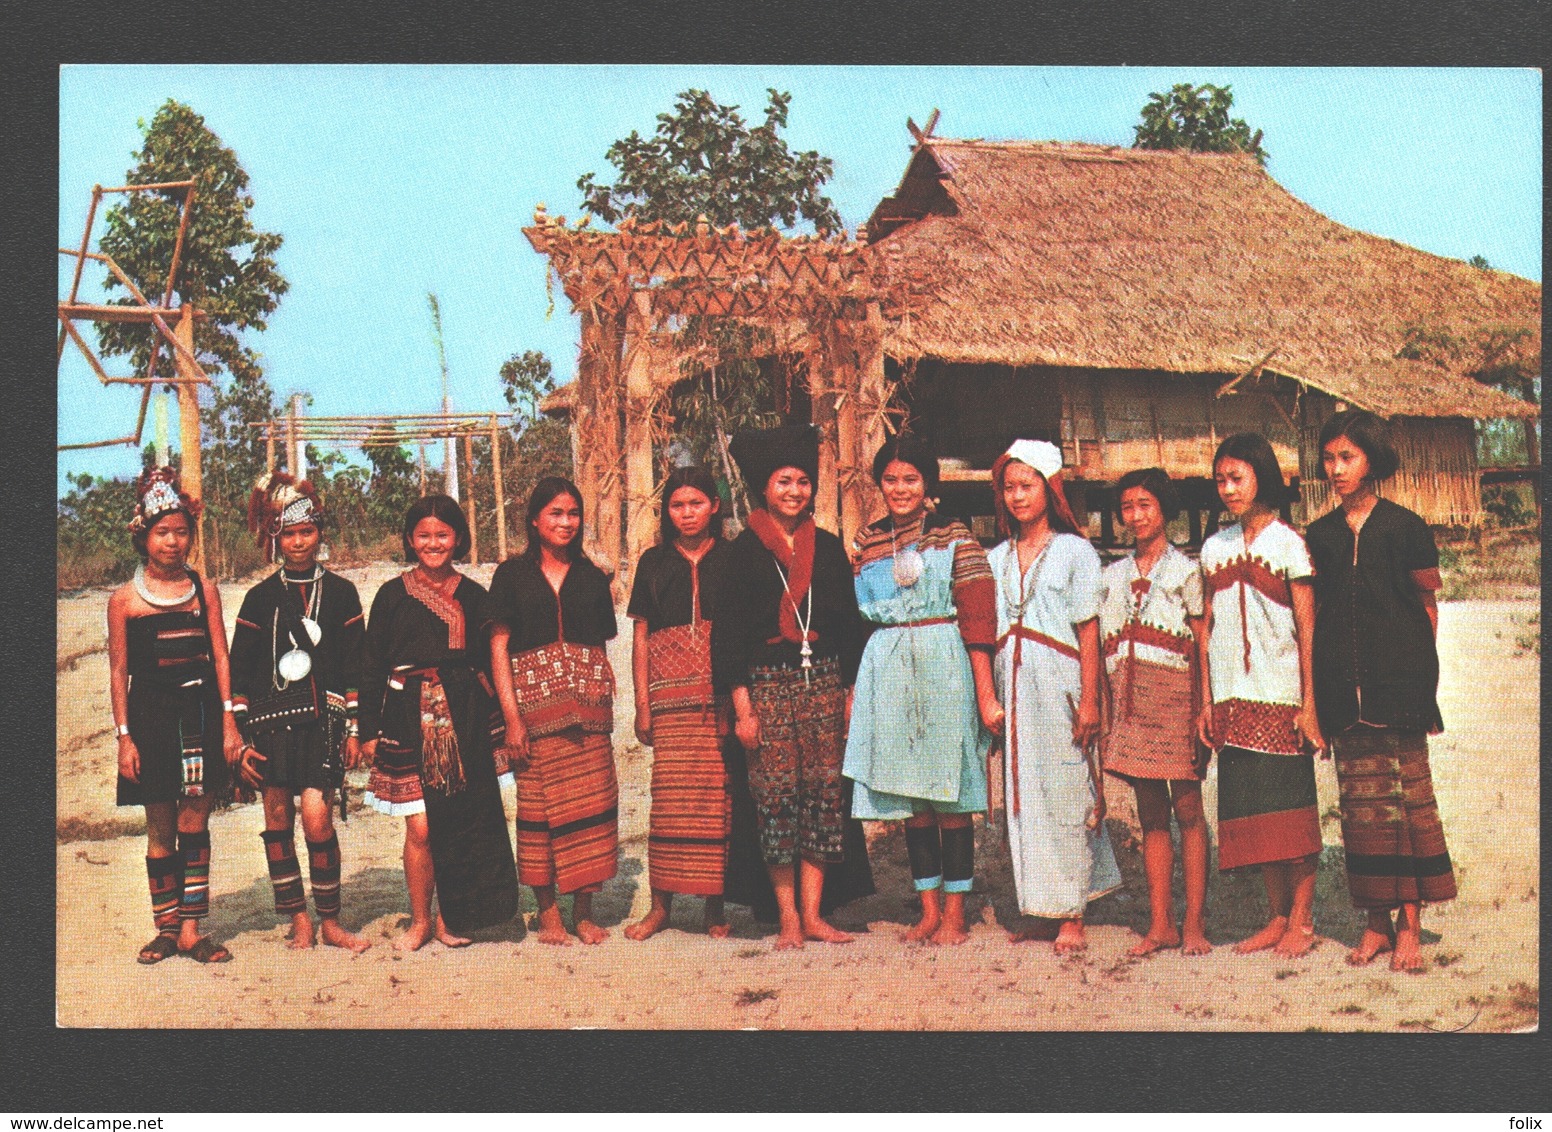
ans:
(1048, 673)
(296, 671)
(786, 640)
(430, 731)
(172, 712)
(925, 701)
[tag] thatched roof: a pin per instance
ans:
(1062, 254)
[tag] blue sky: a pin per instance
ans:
(391, 181)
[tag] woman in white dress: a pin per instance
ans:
(1048, 673)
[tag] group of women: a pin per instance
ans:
(816, 688)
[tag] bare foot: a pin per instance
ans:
(1196, 942)
(1298, 940)
(414, 937)
(1268, 936)
(646, 927)
(924, 929)
(301, 934)
(714, 919)
(551, 929)
(447, 938)
(589, 932)
(816, 929)
(1408, 955)
(335, 936)
(950, 933)
(1150, 943)
(1070, 938)
(1371, 944)
(790, 937)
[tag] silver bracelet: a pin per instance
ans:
(122, 729)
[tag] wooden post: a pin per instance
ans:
(638, 433)
(291, 437)
(422, 467)
(501, 504)
(269, 447)
(597, 421)
(474, 524)
(827, 490)
(191, 475)
(299, 453)
(868, 379)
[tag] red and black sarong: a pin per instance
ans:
(1390, 820)
(1267, 809)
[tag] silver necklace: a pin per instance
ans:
(160, 602)
(1018, 601)
(907, 564)
(295, 663)
(806, 651)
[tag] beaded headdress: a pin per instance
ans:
(279, 501)
(157, 493)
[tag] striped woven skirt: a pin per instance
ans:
(687, 841)
(1267, 810)
(568, 812)
(1390, 820)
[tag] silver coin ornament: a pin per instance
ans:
(908, 567)
(294, 665)
(314, 630)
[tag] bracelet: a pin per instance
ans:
(226, 706)
(122, 730)
(352, 729)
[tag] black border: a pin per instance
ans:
(48, 1069)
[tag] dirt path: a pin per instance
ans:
(1485, 962)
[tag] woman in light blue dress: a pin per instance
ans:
(1048, 670)
(924, 694)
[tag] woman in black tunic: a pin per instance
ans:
(172, 713)
(678, 714)
(296, 701)
(1376, 683)
(786, 642)
(427, 721)
(553, 614)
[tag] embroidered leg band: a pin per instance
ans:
(958, 858)
(285, 872)
(195, 848)
(922, 847)
(166, 877)
(323, 866)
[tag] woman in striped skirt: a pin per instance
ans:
(1376, 681)
(678, 714)
(1260, 715)
(553, 614)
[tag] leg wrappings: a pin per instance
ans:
(166, 877)
(285, 871)
(958, 858)
(195, 848)
(924, 850)
(323, 866)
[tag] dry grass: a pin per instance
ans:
(1496, 564)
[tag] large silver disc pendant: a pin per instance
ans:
(314, 630)
(294, 665)
(908, 567)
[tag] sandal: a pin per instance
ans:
(162, 947)
(208, 950)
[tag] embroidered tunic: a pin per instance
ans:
(1254, 647)
(1058, 864)
(1146, 640)
(306, 750)
(916, 738)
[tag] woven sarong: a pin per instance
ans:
(679, 670)
(568, 812)
(687, 842)
(795, 773)
(1156, 738)
(1267, 810)
(1390, 820)
(563, 685)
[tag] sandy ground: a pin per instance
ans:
(1483, 947)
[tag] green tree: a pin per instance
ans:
(1196, 118)
(228, 272)
(705, 160)
(395, 479)
(539, 445)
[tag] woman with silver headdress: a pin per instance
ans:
(296, 670)
(172, 713)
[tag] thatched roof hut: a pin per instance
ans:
(1165, 276)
